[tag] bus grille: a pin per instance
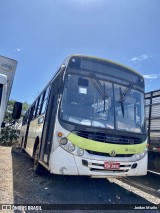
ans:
(110, 138)
(97, 166)
(107, 154)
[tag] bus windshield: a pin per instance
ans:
(94, 102)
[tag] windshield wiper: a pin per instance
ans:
(121, 100)
(124, 95)
(126, 92)
(100, 88)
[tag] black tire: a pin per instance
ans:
(38, 168)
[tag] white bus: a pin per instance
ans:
(88, 120)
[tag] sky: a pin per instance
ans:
(40, 34)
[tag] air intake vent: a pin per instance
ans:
(110, 138)
(108, 155)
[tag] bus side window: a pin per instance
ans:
(44, 106)
(24, 119)
(47, 93)
(27, 119)
(44, 100)
(32, 112)
(36, 108)
(41, 104)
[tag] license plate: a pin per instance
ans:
(113, 166)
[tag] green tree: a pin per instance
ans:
(9, 132)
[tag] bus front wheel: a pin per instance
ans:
(38, 168)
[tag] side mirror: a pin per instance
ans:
(17, 109)
(3, 124)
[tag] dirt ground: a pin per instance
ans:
(20, 185)
(6, 176)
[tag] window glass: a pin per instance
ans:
(25, 118)
(36, 108)
(39, 105)
(47, 92)
(44, 107)
(129, 108)
(32, 112)
(90, 102)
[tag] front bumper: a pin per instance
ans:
(62, 162)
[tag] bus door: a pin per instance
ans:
(28, 124)
(49, 122)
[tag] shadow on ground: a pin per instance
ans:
(30, 188)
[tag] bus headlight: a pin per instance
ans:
(63, 141)
(141, 155)
(71, 147)
(80, 152)
(137, 156)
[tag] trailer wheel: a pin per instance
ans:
(38, 168)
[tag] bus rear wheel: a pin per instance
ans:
(38, 168)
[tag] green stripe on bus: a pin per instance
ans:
(96, 146)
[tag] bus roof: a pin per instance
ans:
(84, 56)
(105, 60)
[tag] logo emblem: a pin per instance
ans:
(112, 153)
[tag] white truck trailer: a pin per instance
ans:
(7, 73)
(152, 107)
